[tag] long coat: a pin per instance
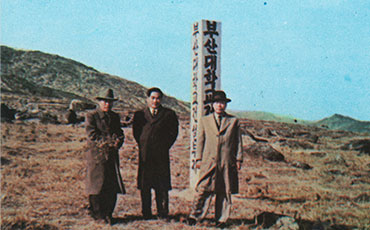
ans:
(155, 136)
(218, 150)
(103, 162)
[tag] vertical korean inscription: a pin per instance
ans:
(206, 44)
(211, 73)
(195, 95)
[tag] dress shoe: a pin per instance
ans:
(164, 217)
(221, 225)
(191, 221)
(108, 220)
(148, 217)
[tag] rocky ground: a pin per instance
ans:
(293, 177)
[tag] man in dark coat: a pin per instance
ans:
(155, 130)
(103, 179)
(219, 156)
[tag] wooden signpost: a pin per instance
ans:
(206, 78)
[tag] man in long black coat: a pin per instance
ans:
(155, 130)
(103, 179)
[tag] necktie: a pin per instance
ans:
(155, 112)
(106, 117)
(219, 120)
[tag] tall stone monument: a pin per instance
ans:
(206, 78)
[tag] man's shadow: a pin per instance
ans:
(264, 220)
(180, 217)
(183, 218)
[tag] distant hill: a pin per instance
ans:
(37, 76)
(335, 122)
(266, 116)
(340, 122)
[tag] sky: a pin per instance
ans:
(306, 59)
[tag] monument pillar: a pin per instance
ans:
(206, 78)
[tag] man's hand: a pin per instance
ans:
(197, 164)
(238, 165)
(116, 143)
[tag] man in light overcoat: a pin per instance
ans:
(103, 178)
(155, 129)
(218, 157)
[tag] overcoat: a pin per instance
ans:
(155, 136)
(103, 163)
(218, 149)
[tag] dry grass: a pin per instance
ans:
(42, 185)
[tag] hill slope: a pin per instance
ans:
(266, 116)
(26, 73)
(340, 122)
(335, 122)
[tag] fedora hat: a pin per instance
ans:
(108, 96)
(220, 95)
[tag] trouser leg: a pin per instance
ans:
(161, 197)
(102, 205)
(146, 202)
(223, 207)
(108, 203)
(94, 206)
(201, 204)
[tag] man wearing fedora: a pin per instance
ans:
(218, 157)
(103, 178)
(155, 129)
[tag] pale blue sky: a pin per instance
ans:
(308, 59)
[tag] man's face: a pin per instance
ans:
(105, 105)
(219, 106)
(154, 100)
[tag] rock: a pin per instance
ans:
(72, 118)
(5, 161)
(7, 114)
(78, 105)
(318, 154)
(301, 165)
(307, 136)
(362, 198)
(267, 219)
(362, 145)
(46, 118)
(338, 160)
(336, 172)
(297, 143)
(265, 151)
(286, 223)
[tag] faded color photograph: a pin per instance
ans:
(175, 114)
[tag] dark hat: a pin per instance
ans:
(220, 95)
(108, 96)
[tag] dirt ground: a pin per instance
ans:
(322, 182)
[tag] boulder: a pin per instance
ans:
(265, 151)
(7, 114)
(361, 145)
(286, 223)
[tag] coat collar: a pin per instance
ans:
(225, 122)
(101, 113)
(149, 116)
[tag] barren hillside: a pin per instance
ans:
(322, 181)
(33, 76)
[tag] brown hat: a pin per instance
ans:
(220, 95)
(108, 96)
